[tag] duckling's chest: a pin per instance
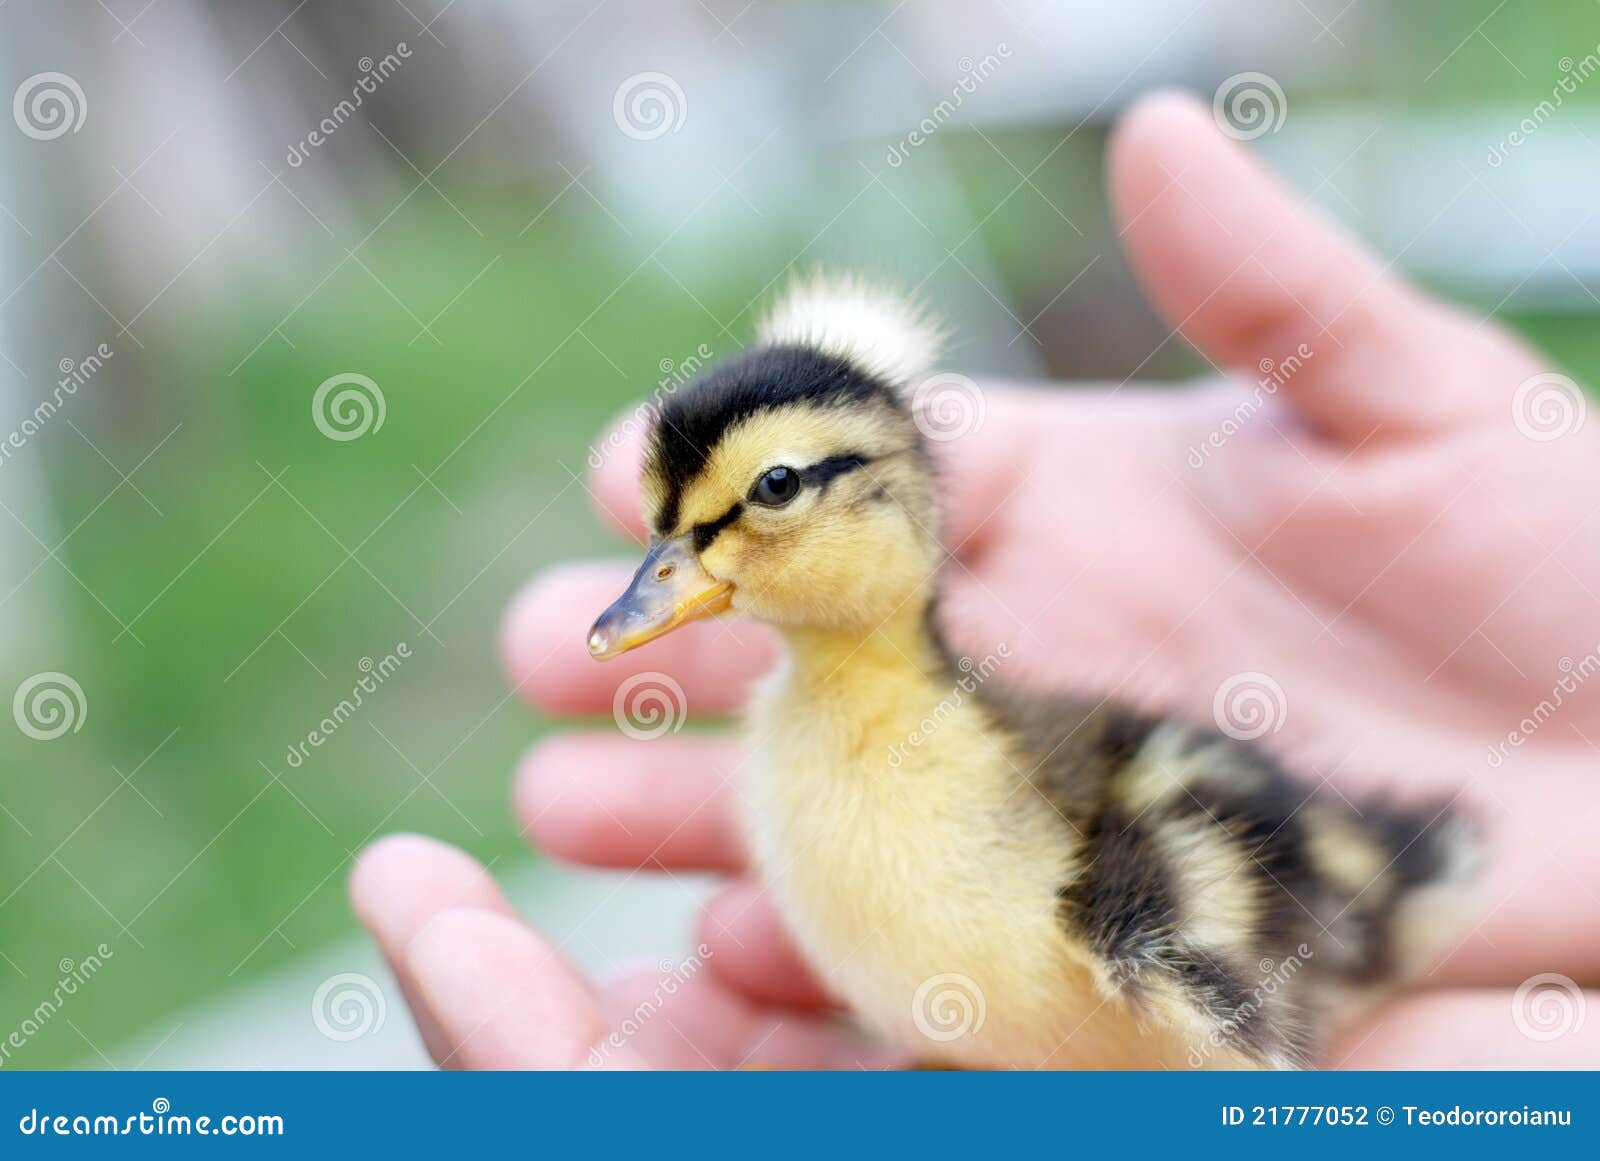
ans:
(886, 823)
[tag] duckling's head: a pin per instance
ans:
(791, 483)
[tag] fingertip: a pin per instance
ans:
(545, 653)
(752, 950)
(383, 861)
(402, 880)
(1148, 145)
(543, 634)
(558, 810)
(1150, 125)
(600, 799)
(1254, 277)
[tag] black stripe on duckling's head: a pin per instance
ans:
(791, 481)
(838, 347)
(692, 423)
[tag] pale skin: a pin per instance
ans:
(1379, 537)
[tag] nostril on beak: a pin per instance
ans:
(664, 572)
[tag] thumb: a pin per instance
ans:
(1261, 283)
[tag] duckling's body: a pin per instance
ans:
(988, 878)
(892, 878)
(1042, 884)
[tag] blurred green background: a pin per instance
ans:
(184, 542)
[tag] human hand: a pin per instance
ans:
(1379, 537)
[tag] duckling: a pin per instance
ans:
(1033, 881)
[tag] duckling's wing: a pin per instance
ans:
(1218, 894)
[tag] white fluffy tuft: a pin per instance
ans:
(871, 326)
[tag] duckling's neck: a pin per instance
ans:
(907, 641)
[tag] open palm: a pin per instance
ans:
(1385, 553)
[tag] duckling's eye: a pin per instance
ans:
(776, 488)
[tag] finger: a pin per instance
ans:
(752, 951)
(980, 469)
(503, 997)
(674, 1015)
(546, 655)
(401, 882)
(610, 801)
(682, 1016)
(614, 472)
(1540, 880)
(781, 1040)
(1476, 1029)
(1257, 280)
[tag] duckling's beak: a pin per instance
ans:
(670, 589)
